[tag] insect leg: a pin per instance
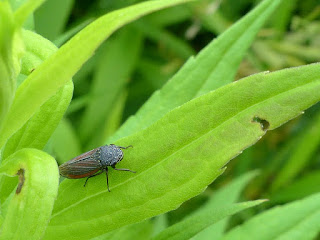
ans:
(125, 147)
(98, 173)
(122, 169)
(107, 179)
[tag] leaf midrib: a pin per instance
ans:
(184, 146)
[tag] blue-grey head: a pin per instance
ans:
(110, 155)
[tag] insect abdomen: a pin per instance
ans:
(74, 174)
(82, 166)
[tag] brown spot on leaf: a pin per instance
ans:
(20, 173)
(263, 123)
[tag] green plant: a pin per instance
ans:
(183, 136)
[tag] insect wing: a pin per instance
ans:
(81, 166)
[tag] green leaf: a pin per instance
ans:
(297, 220)
(153, 73)
(56, 71)
(225, 196)
(139, 231)
(115, 65)
(65, 36)
(38, 49)
(171, 16)
(178, 156)
(46, 118)
(273, 165)
(65, 142)
(306, 146)
(157, 34)
(25, 10)
(29, 136)
(78, 103)
(114, 119)
(302, 187)
(215, 66)
(10, 53)
(214, 21)
(283, 16)
(160, 223)
(52, 16)
(30, 208)
(191, 226)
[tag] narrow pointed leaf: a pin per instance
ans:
(141, 231)
(10, 53)
(117, 59)
(25, 10)
(294, 221)
(54, 73)
(306, 147)
(215, 66)
(224, 196)
(46, 118)
(306, 185)
(50, 113)
(52, 16)
(189, 227)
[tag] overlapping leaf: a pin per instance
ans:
(50, 76)
(215, 66)
(294, 221)
(30, 208)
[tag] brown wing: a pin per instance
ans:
(81, 166)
